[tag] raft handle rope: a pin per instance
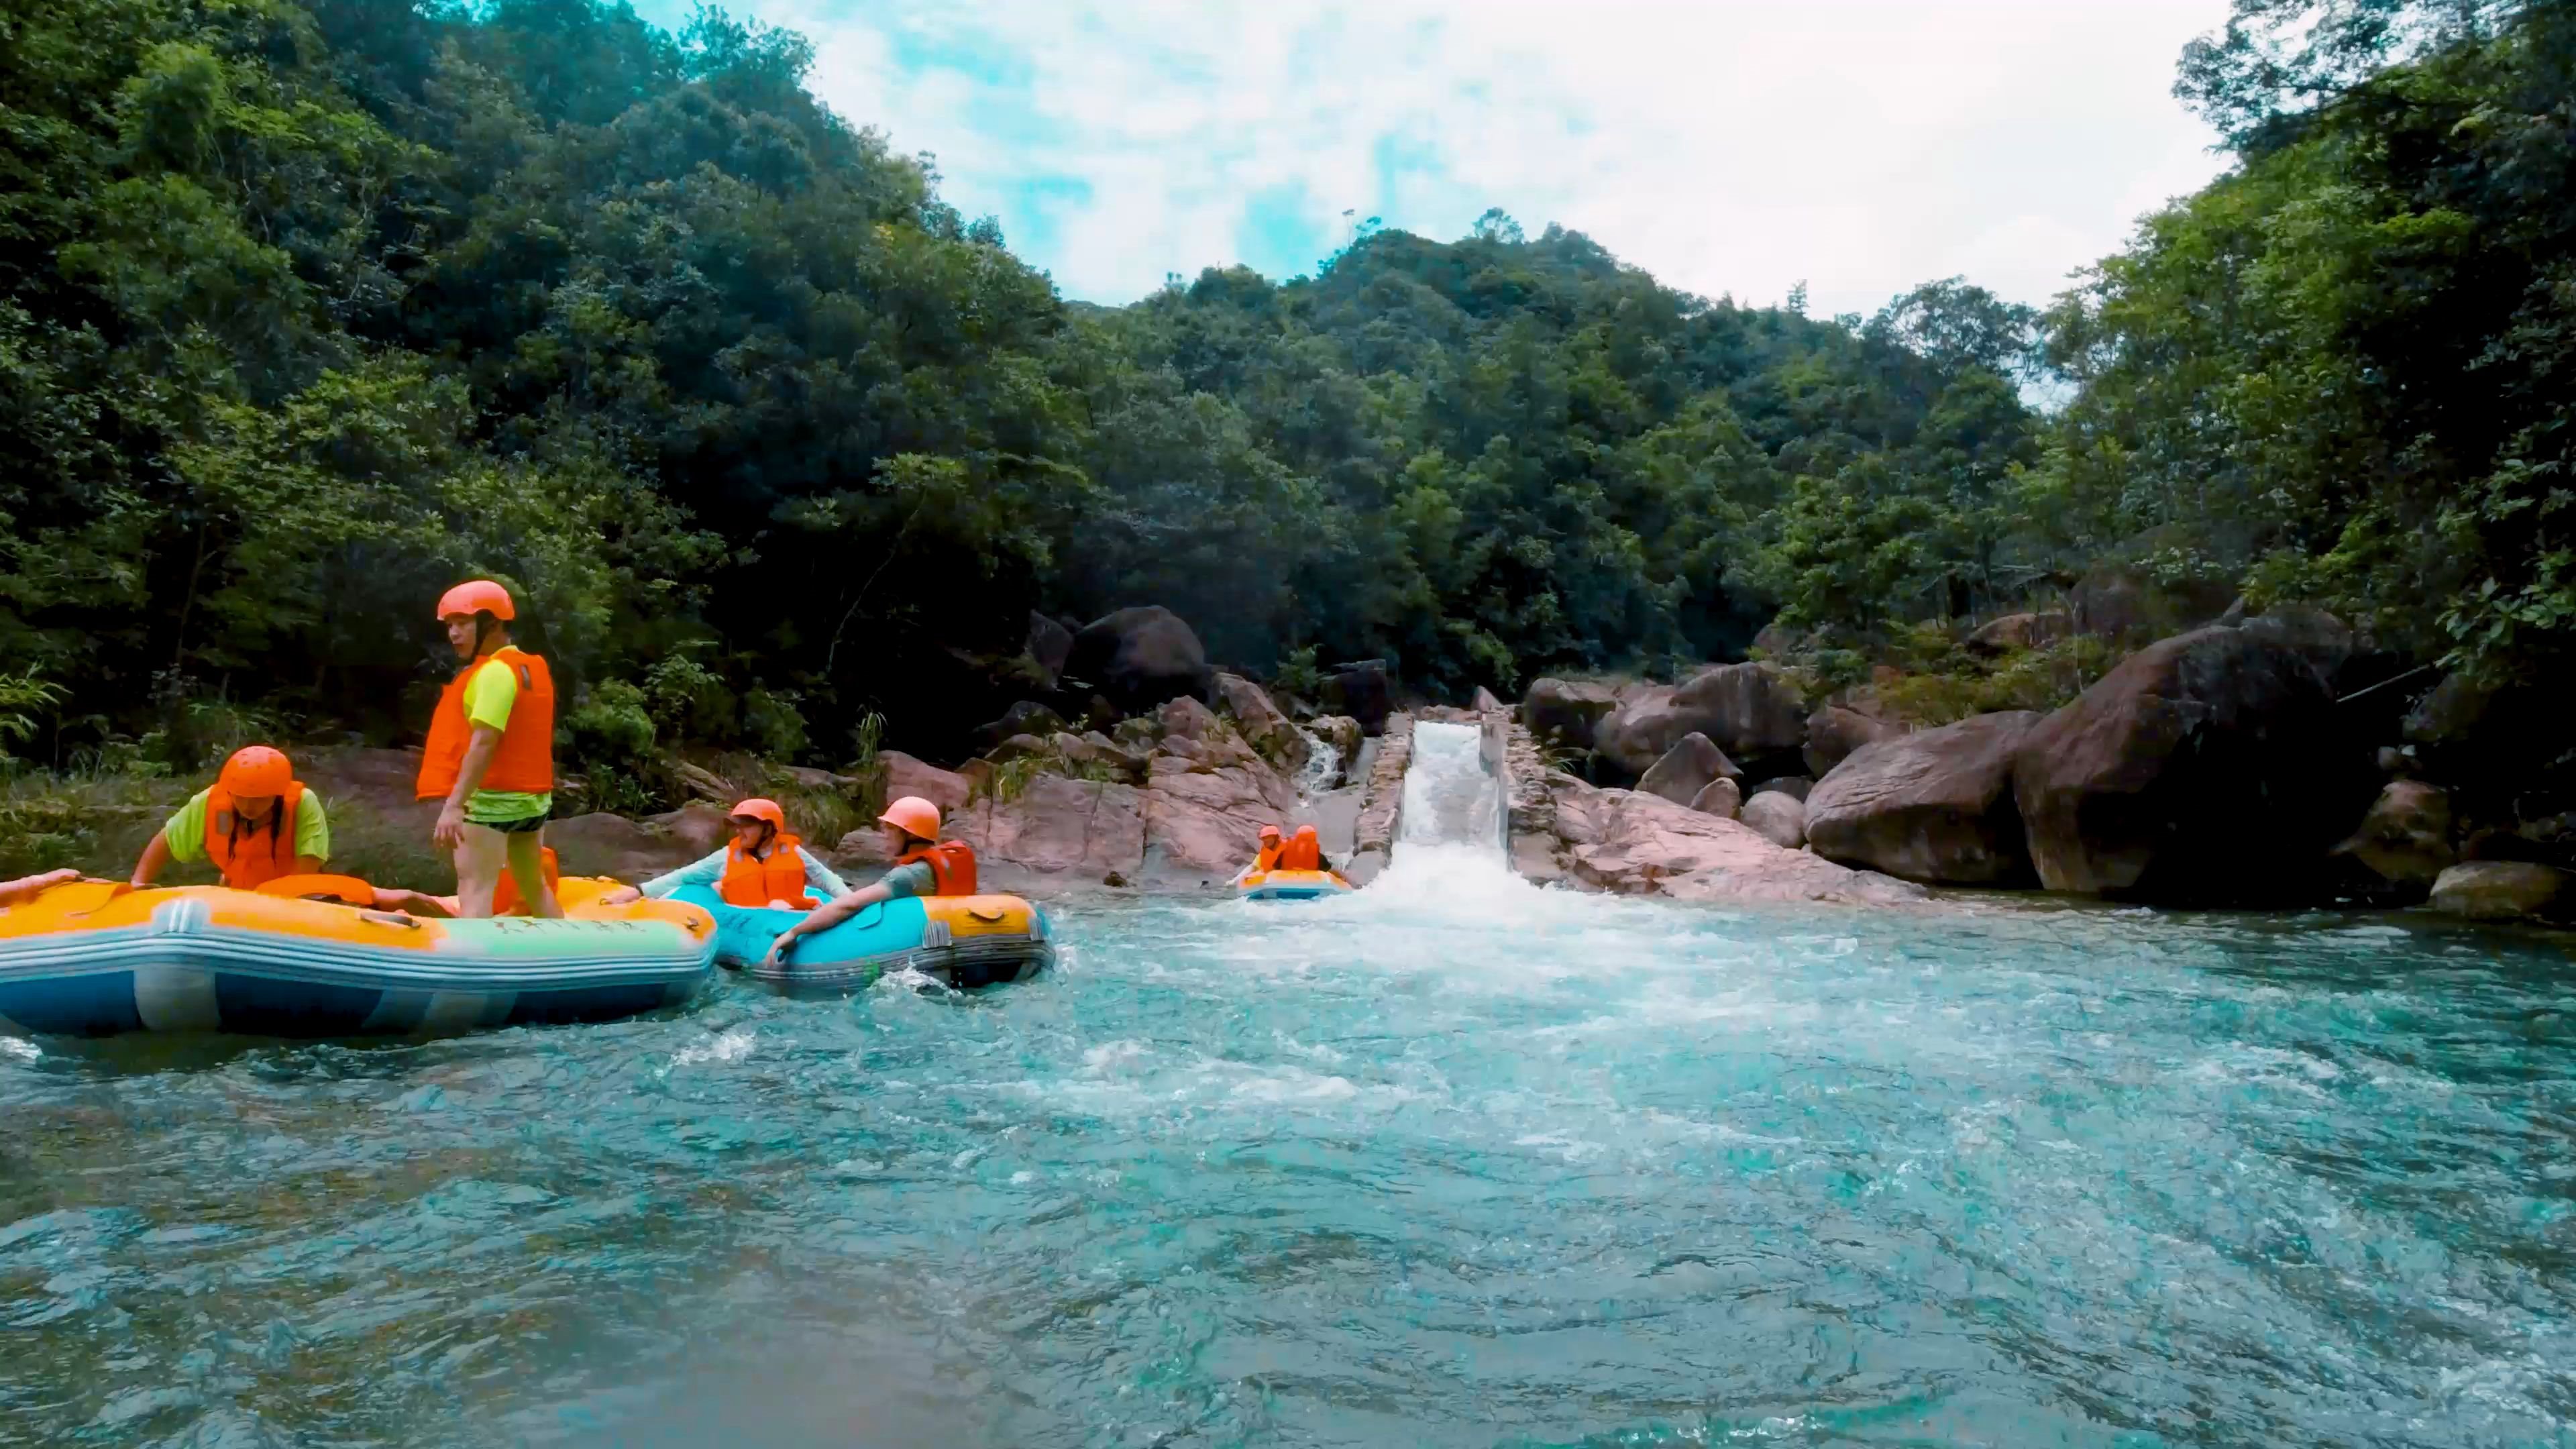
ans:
(390, 918)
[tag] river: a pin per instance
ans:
(1454, 1161)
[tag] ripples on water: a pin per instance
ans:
(1431, 1165)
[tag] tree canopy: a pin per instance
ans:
(309, 307)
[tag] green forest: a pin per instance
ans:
(309, 308)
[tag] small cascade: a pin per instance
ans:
(1323, 768)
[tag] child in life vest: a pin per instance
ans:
(763, 865)
(924, 866)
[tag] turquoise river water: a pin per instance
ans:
(1454, 1161)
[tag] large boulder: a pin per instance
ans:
(2504, 890)
(1260, 722)
(603, 844)
(2406, 839)
(698, 827)
(1720, 797)
(2208, 768)
(1935, 806)
(2012, 632)
(1776, 816)
(1753, 711)
(1025, 717)
(908, 775)
(1796, 787)
(1050, 645)
(1139, 657)
(2326, 642)
(2122, 603)
(1564, 712)
(1484, 702)
(1084, 829)
(1687, 768)
(1363, 692)
(1636, 844)
(1834, 733)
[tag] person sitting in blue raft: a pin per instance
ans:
(924, 865)
(763, 865)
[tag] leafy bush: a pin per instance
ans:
(773, 725)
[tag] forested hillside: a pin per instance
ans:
(308, 309)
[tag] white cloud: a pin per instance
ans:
(1728, 148)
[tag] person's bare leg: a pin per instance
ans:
(528, 872)
(479, 853)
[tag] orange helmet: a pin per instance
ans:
(1270, 832)
(913, 816)
(256, 771)
(757, 808)
(1306, 832)
(476, 596)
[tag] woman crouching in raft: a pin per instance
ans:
(923, 866)
(763, 866)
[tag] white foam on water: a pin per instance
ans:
(729, 1045)
(20, 1048)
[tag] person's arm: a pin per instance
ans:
(903, 880)
(155, 859)
(390, 899)
(820, 878)
(706, 870)
(485, 743)
(312, 835)
(27, 888)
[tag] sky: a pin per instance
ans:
(1732, 149)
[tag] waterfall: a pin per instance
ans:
(1452, 797)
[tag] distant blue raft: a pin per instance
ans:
(962, 941)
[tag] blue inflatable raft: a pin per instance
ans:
(961, 941)
(95, 958)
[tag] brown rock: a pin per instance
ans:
(2406, 838)
(1342, 733)
(1776, 816)
(2118, 602)
(1720, 797)
(603, 844)
(1636, 844)
(1027, 717)
(1259, 721)
(1050, 644)
(1687, 768)
(1934, 806)
(1363, 692)
(1834, 732)
(1139, 657)
(1208, 822)
(2020, 631)
(2326, 642)
(699, 827)
(1565, 712)
(1753, 710)
(1057, 826)
(2207, 768)
(1019, 747)
(2503, 890)
(1796, 787)
(1484, 701)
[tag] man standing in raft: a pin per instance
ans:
(764, 866)
(256, 822)
(491, 754)
(923, 866)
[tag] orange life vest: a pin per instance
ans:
(525, 762)
(750, 880)
(952, 866)
(1266, 859)
(251, 853)
(505, 896)
(1300, 853)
